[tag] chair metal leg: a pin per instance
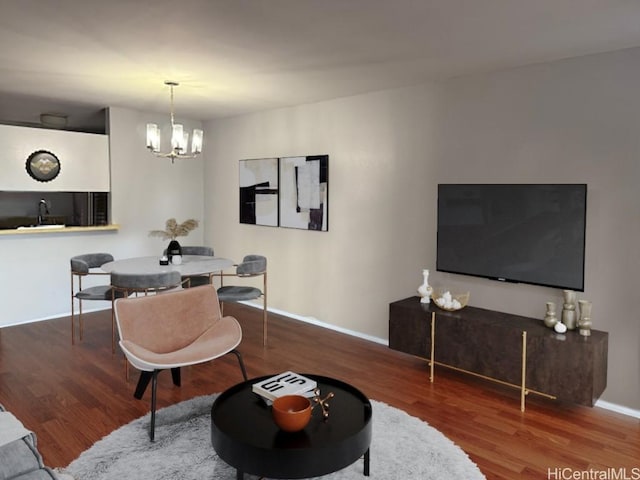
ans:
(264, 308)
(264, 326)
(143, 382)
(241, 362)
(73, 322)
(154, 387)
(175, 376)
(113, 333)
(264, 320)
(113, 324)
(81, 327)
(113, 319)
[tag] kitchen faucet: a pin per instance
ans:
(43, 211)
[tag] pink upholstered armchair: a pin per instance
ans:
(172, 330)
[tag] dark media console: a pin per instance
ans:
(512, 350)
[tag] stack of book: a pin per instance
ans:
(287, 383)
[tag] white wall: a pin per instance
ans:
(84, 159)
(574, 121)
(35, 278)
(570, 121)
(379, 214)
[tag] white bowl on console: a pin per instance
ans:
(448, 301)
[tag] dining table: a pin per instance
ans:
(190, 265)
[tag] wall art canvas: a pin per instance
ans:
(259, 191)
(304, 192)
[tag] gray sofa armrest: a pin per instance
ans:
(19, 458)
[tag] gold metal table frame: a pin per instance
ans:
(524, 391)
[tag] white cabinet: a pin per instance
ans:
(84, 159)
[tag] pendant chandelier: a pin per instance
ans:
(179, 138)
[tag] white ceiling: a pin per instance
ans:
(237, 56)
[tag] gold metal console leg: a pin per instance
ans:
(523, 388)
(432, 360)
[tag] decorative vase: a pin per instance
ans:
(584, 323)
(550, 318)
(174, 248)
(569, 309)
(425, 290)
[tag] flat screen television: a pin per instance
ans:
(525, 233)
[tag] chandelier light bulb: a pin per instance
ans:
(153, 137)
(196, 141)
(177, 137)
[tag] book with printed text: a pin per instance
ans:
(286, 383)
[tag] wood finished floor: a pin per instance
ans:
(71, 396)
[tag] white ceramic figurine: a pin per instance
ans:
(425, 290)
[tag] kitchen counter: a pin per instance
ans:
(38, 231)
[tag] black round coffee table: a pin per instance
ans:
(244, 435)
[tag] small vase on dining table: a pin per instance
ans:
(174, 248)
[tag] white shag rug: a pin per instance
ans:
(403, 447)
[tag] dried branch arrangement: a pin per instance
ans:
(173, 229)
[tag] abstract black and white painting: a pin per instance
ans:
(304, 192)
(259, 191)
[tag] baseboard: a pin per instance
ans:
(614, 407)
(319, 323)
(53, 317)
(314, 321)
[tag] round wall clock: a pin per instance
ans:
(43, 166)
